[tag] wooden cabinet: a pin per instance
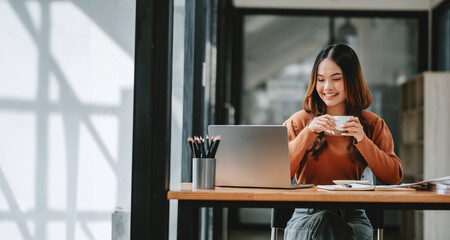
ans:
(425, 143)
(411, 128)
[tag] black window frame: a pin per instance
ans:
(151, 120)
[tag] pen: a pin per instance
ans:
(347, 185)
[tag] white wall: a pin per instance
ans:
(66, 100)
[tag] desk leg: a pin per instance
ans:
(188, 220)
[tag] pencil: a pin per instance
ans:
(216, 145)
(197, 147)
(191, 144)
(203, 147)
(211, 147)
(208, 143)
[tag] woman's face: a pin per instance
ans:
(330, 87)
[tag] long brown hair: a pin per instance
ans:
(357, 98)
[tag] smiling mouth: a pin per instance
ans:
(330, 94)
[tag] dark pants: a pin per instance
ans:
(328, 224)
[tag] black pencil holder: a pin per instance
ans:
(203, 173)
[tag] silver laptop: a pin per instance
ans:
(253, 156)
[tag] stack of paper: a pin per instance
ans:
(441, 185)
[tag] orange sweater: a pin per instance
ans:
(334, 162)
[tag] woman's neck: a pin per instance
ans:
(336, 110)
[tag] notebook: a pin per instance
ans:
(253, 156)
(347, 187)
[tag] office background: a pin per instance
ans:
(67, 72)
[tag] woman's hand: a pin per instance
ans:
(354, 128)
(322, 123)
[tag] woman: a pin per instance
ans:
(320, 153)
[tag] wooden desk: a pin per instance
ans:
(190, 201)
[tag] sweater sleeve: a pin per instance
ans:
(379, 154)
(300, 137)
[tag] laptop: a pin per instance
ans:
(253, 156)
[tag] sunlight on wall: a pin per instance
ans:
(57, 167)
(96, 189)
(92, 62)
(18, 166)
(66, 100)
(18, 52)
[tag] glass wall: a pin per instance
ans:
(444, 42)
(194, 67)
(279, 52)
(66, 104)
(177, 109)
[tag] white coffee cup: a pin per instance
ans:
(341, 120)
